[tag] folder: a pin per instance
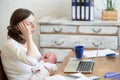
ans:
(87, 10)
(80, 3)
(83, 10)
(91, 9)
(78, 9)
(74, 9)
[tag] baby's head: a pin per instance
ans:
(49, 57)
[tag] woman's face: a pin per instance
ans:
(30, 22)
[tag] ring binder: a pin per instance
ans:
(83, 10)
(78, 10)
(74, 9)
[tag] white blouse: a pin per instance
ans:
(16, 63)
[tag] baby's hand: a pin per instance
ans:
(36, 69)
(51, 72)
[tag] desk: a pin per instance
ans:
(102, 65)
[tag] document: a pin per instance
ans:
(98, 53)
(55, 77)
(80, 76)
(76, 76)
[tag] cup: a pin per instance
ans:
(78, 51)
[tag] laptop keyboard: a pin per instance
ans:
(85, 66)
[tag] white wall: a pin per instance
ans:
(57, 8)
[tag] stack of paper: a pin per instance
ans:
(55, 77)
(98, 53)
(76, 76)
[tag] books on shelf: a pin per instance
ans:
(83, 10)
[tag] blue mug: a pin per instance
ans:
(78, 51)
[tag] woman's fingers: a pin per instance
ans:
(25, 30)
(22, 26)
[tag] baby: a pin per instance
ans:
(48, 61)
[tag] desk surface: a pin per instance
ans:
(102, 65)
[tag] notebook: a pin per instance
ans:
(83, 66)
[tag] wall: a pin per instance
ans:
(57, 8)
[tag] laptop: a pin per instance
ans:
(83, 66)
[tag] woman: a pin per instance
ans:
(19, 53)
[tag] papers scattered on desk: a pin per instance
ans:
(76, 76)
(93, 53)
(79, 75)
(55, 77)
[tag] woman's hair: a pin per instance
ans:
(17, 16)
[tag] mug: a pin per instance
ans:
(78, 51)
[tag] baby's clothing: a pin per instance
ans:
(40, 72)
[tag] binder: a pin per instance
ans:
(85, 6)
(91, 9)
(78, 9)
(83, 10)
(87, 10)
(74, 9)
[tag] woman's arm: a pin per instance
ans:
(28, 37)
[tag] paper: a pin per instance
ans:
(76, 76)
(55, 77)
(94, 78)
(81, 76)
(93, 53)
(113, 75)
